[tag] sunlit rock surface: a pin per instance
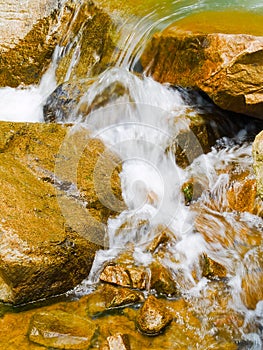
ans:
(153, 317)
(33, 29)
(258, 162)
(19, 17)
(50, 226)
(219, 53)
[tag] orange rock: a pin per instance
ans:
(207, 52)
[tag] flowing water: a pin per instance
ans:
(141, 125)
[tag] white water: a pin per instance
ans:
(140, 132)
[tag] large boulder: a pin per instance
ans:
(51, 222)
(219, 53)
(19, 17)
(258, 162)
(32, 29)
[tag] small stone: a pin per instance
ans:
(162, 281)
(153, 316)
(212, 269)
(161, 238)
(107, 297)
(61, 330)
(125, 276)
(192, 190)
(119, 342)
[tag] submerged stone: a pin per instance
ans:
(61, 330)
(205, 51)
(118, 342)
(107, 297)
(153, 316)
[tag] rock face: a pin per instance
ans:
(19, 17)
(258, 162)
(27, 40)
(45, 249)
(33, 29)
(204, 52)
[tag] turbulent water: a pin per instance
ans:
(141, 126)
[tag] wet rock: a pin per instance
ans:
(118, 342)
(108, 297)
(35, 28)
(252, 280)
(31, 32)
(18, 18)
(61, 104)
(252, 289)
(48, 236)
(162, 280)
(212, 269)
(200, 132)
(162, 237)
(92, 53)
(125, 275)
(192, 190)
(65, 103)
(61, 330)
(242, 195)
(207, 52)
(258, 162)
(153, 316)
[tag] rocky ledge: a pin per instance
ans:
(207, 52)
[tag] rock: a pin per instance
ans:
(242, 195)
(108, 297)
(65, 103)
(192, 190)
(212, 269)
(45, 249)
(153, 317)
(61, 330)
(119, 342)
(92, 53)
(32, 32)
(252, 289)
(19, 17)
(258, 162)
(162, 280)
(252, 278)
(206, 52)
(163, 235)
(125, 275)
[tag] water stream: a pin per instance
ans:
(140, 126)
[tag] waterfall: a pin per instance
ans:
(141, 126)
